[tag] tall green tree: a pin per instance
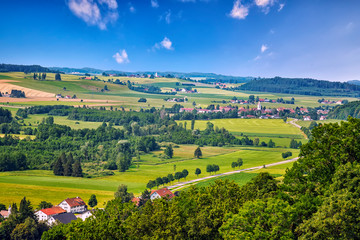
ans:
(169, 151)
(198, 153)
(77, 170)
(151, 184)
(93, 201)
(57, 77)
(185, 173)
(123, 194)
(44, 204)
(178, 176)
(58, 166)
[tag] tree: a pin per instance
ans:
(197, 172)
(2, 207)
(178, 176)
(92, 201)
(44, 204)
(260, 219)
(239, 162)
(26, 209)
(165, 180)
(29, 229)
(271, 144)
(159, 181)
(170, 177)
(145, 196)
(123, 194)
(142, 100)
(209, 168)
(169, 151)
(216, 168)
(185, 173)
(234, 165)
(77, 170)
(151, 184)
(106, 88)
(198, 153)
(68, 165)
(58, 166)
(192, 124)
(57, 77)
(256, 141)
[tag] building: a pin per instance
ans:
(259, 106)
(84, 215)
(64, 218)
(47, 213)
(73, 205)
(6, 213)
(161, 193)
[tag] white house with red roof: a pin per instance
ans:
(46, 213)
(74, 205)
(161, 193)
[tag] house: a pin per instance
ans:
(84, 215)
(322, 118)
(186, 109)
(59, 96)
(47, 213)
(68, 97)
(64, 218)
(307, 118)
(74, 205)
(161, 193)
(259, 106)
(136, 200)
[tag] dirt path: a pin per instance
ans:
(293, 122)
(182, 184)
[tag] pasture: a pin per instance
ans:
(39, 185)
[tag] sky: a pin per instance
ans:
(260, 38)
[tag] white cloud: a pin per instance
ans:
(281, 6)
(166, 16)
(166, 43)
(121, 57)
(90, 12)
(154, 4)
(239, 11)
(264, 48)
(263, 3)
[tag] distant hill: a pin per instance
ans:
(24, 68)
(176, 74)
(302, 86)
(343, 111)
(355, 82)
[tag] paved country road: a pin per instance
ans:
(181, 184)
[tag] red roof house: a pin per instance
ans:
(162, 193)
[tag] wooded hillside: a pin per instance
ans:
(302, 86)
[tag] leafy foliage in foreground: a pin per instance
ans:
(319, 199)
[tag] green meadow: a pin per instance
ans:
(43, 185)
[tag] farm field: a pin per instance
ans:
(43, 185)
(120, 95)
(264, 129)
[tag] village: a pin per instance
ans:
(71, 209)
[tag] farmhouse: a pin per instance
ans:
(73, 205)
(47, 213)
(64, 218)
(161, 193)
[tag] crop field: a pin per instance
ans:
(40, 185)
(118, 95)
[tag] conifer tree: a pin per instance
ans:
(58, 166)
(77, 170)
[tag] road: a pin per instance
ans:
(181, 184)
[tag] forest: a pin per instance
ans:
(319, 198)
(142, 132)
(343, 111)
(24, 68)
(301, 86)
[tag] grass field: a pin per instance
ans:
(122, 96)
(43, 185)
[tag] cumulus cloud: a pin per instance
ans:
(166, 44)
(95, 12)
(239, 11)
(263, 3)
(154, 4)
(264, 48)
(121, 57)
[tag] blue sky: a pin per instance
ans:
(299, 38)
